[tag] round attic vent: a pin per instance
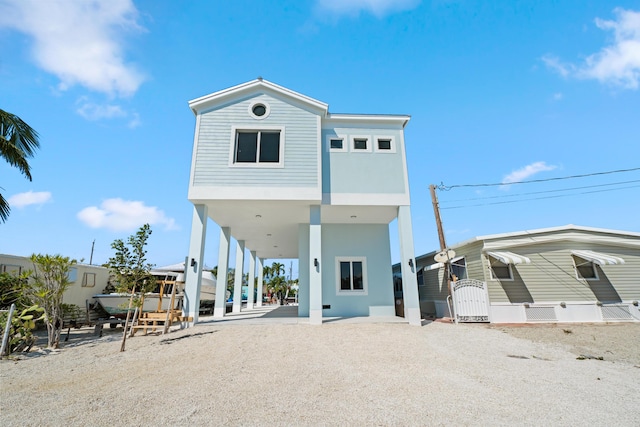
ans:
(259, 110)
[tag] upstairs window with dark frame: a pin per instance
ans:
(361, 144)
(384, 144)
(336, 144)
(257, 146)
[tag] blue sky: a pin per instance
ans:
(498, 92)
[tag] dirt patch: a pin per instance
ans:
(615, 342)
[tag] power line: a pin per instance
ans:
(539, 192)
(449, 187)
(539, 198)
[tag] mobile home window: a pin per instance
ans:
(262, 146)
(500, 270)
(352, 277)
(585, 269)
(15, 270)
(89, 280)
(459, 269)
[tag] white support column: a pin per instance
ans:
(223, 267)
(408, 267)
(193, 263)
(315, 266)
(252, 279)
(260, 281)
(237, 282)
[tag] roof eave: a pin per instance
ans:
(398, 119)
(209, 101)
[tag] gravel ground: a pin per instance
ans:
(334, 374)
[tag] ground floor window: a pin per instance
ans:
(351, 275)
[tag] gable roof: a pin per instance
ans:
(255, 86)
(541, 235)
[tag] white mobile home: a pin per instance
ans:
(561, 274)
(287, 179)
(86, 280)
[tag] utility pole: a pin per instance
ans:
(443, 243)
(436, 211)
(91, 257)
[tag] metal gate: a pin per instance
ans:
(470, 301)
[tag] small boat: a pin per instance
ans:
(117, 304)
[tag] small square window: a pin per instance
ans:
(360, 143)
(384, 144)
(336, 143)
(585, 269)
(500, 270)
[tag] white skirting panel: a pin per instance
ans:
(566, 313)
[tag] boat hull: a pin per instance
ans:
(118, 304)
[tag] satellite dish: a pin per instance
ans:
(444, 256)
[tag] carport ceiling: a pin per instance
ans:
(271, 227)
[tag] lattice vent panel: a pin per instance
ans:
(616, 312)
(540, 314)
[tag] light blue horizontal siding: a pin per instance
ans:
(215, 144)
(363, 172)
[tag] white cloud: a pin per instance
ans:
(558, 66)
(21, 200)
(527, 172)
(92, 111)
(378, 8)
(81, 42)
(558, 96)
(617, 64)
(124, 215)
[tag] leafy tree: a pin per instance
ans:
(276, 282)
(129, 266)
(13, 289)
(18, 142)
(49, 281)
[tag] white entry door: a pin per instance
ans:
(470, 301)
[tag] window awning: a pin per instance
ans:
(598, 257)
(509, 257)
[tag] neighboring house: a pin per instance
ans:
(287, 179)
(86, 280)
(560, 274)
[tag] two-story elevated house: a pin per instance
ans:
(287, 179)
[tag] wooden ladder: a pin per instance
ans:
(160, 318)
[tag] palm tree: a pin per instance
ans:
(18, 142)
